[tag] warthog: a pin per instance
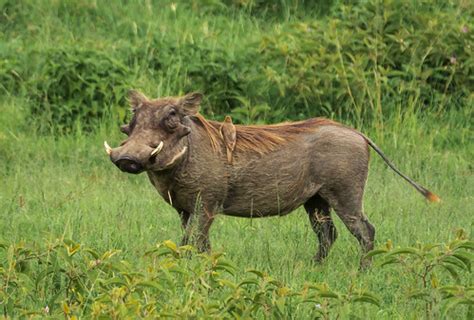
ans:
(203, 168)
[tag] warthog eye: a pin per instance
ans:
(125, 129)
(171, 124)
(171, 121)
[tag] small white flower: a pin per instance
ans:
(173, 7)
(317, 305)
(46, 310)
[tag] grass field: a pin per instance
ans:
(63, 186)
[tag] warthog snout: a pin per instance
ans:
(128, 164)
(133, 161)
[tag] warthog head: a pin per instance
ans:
(155, 133)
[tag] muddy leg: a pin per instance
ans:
(319, 216)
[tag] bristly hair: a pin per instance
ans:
(262, 138)
(212, 132)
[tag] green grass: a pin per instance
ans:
(65, 187)
(56, 186)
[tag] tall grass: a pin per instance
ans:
(352, 63)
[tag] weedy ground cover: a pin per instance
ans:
(71, 223)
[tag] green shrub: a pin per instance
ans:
(75, 86)
(11, 80)
(70, 280)
(360, 62)
(282, 9)
(13, 73)
(430, 267)
(12, 14)
(353, 63)
(66, 278)
(366, 55)
(220, 76)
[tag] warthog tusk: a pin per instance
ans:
(108, 149)
(176, 157)
(157, 149)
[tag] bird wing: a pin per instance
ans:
(230, 136)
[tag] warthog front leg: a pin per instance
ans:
(202, 233)
(197, 227)
(185, 219)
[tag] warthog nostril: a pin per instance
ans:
(128, 164)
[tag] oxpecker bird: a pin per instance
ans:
(229, 135)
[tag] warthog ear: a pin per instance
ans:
(191, 103)
(136, 98)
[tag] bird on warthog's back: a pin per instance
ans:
(229, 136)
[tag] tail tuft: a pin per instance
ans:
(432, 197)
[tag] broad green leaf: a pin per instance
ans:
(419, 294)
(405, 251)
(256, 272)
(171, 245)
(388, 261)
(449, 304)
(92, 252)
(452, 271)
(466, 258)
(150, 284)
(466, 245)
(228, 283)
(328, 294)
(367, 299)
(114, 281)
(455, 262)
(375, 252)
(248, 281)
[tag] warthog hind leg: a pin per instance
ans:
(319, 216)
(350, 211)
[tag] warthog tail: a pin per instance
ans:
(425, 192)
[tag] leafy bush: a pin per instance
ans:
(224, 78)
(10, 79)
(69, 279)
(74, 281)
(74, 86)
(282, 9)
(360, 61)
(12, 14)
(13, 74)
(216, 73)
(366, 55)
(352, 63)
(429, 265)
